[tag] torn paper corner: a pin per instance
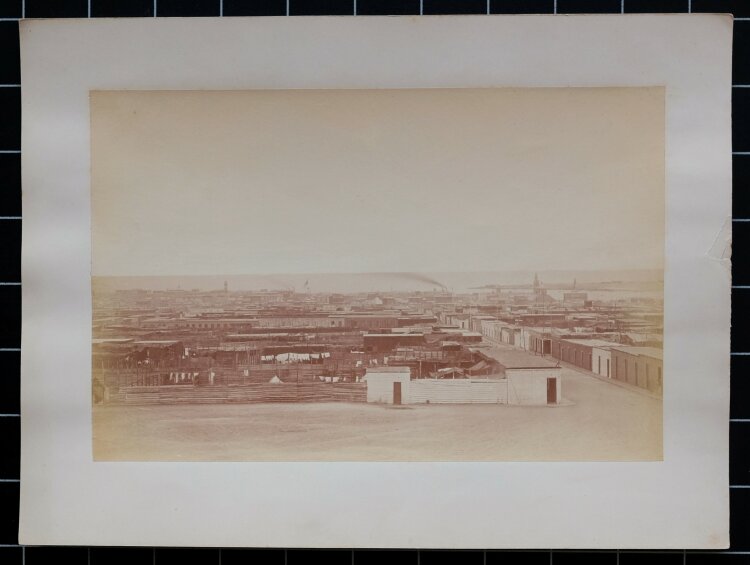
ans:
(721, 250)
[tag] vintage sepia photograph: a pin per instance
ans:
(442, 274)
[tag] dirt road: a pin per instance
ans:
(604, 423)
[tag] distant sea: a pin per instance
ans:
(460, 283)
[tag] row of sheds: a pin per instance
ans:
(640, 366)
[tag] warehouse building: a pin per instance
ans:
(639, 366)
(386, 342)
(580, 352)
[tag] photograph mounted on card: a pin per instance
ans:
(372, 262)
(298, 263)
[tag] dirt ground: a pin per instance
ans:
(603, 422)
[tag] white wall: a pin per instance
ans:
(491, 329)
(604, 355)
(516, 336)
(460, 391)
(523, 339)
(522, 387)
(505, 333)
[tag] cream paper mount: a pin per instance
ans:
(404, 151)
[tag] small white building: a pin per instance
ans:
(532, 379)
(380, 381)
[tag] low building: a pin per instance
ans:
(160, 348)
(537, 341)
(639, 366)
(532, 379)
(366, 321)
(457, 319)
(386, 342)
(510, 335)
(492, 329)
(580, 352)
(201, 323)
(416, 320)
(463, 336)
(578, 299)
(643, 339)
(478, 322)
(383, 381)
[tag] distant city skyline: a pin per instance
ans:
(378, 282)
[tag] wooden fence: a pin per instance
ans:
(282, 392)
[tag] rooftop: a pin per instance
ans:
(396, 334)
(592, 342)
(375, 370)
(260, 335)
(516, 358)
(644, 336)
(653, 352)
(381, 314)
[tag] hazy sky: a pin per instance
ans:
(377, 180)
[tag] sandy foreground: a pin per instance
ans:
(603, 422)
